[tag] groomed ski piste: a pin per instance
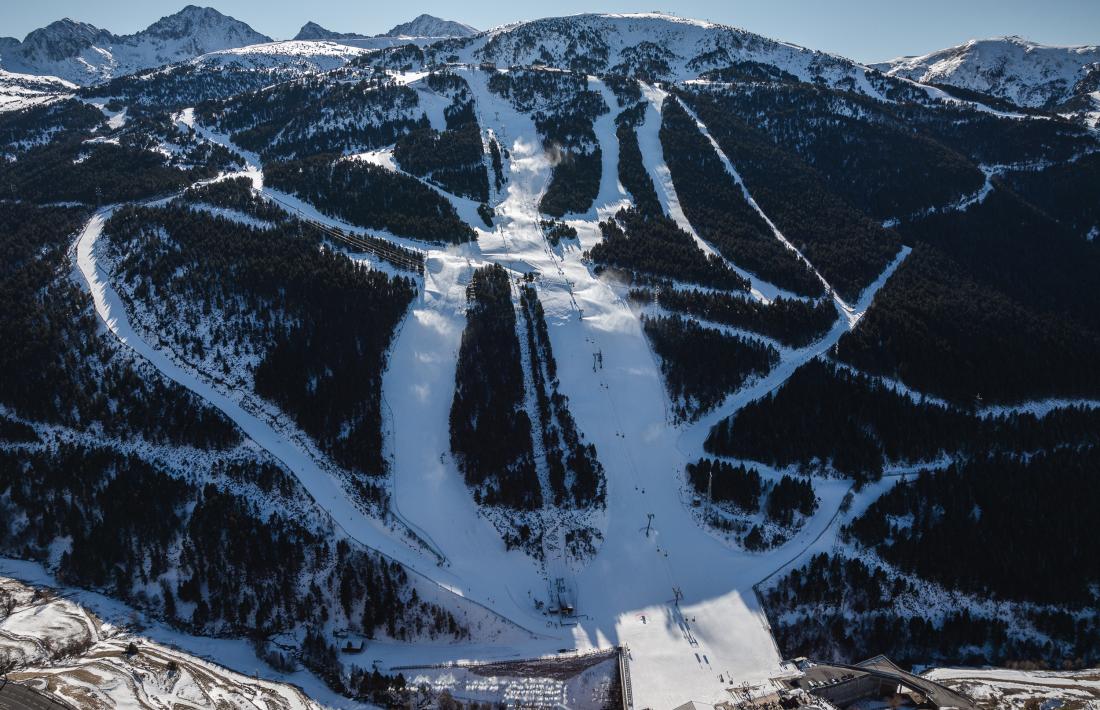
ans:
(678, 597)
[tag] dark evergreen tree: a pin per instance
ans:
(702, 365)
(371, 196)
(738, 485)
(654, 245)
(490, 431)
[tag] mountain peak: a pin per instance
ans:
(313, 31)
(1011, 67)
(83, 53)
(61, 38)
(193, 20)
(425, 25)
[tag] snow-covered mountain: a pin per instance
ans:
(85, 54)
(291, 57)
(431, 26)
(423, 26)
(337, 310)
(1013, 68)
(654, 46)
(313, 31)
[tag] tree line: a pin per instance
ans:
(792, 321)
(654, 245)
(717, 209)
(370, 196)
(575, 473)
(236, 194)
(862, 149)
(239, 571)
(315, 115)
(321, 324)
(60, 368)
(838, 607)
(632, 172)
(941, 331)
(701, 366)
(489, 428)
(1068, 192)
(997, 526)
(453, 158)
(856, 425)
(847, 247)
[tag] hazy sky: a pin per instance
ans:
(864, 30)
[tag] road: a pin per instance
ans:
(940, 695)
(14, 696)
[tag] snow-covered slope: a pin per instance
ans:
(85, 54)
(431, 26)
(1007, 688)
(1013, 68)
(652, 45)
(22, 90)
(305, 56)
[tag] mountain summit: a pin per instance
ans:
(313, 31)
(86, 54)
(431, 26)
(1012, 68)
(422, 27)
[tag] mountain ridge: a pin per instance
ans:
(313, 31)
(422, 26)
(340, 344)
(1010, 67)
(425, 25)
(84, 54)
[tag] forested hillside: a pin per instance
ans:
(370, 196)
(306, 329)
(453, 159)
(718, 210)
(848, 248)
(701, 365)
(313, 115)
(62, 370)
(490, 431)
(563, 108)
(390, 361)
(239, 570)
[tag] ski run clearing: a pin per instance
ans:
(675, 594)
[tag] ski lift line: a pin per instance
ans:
(606, 388)
(373, 245)
(399, 260)
(840, 302)
(401, 257)
(550, 252)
